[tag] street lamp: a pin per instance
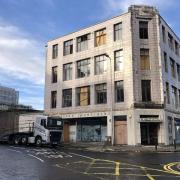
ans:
(111, 110)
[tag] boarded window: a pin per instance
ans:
(100, 37)
(144, 59)
(83, 96)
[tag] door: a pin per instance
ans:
(66, 132)
(120, 130)
(149, 133)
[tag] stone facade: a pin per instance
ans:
(138, 117)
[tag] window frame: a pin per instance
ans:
(118, 31)
(146, 90)
(53, 99)
(68, 47)
(54, 74)
(86, 64)
(54, 51)
(80, 94)
(66, 102)
(118, 60)
(69, 69)
(143, 30)
(102, 67)
(119, 91)
(101, 37)
(101, 94)
(82, 45)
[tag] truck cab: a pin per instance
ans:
(47, 130)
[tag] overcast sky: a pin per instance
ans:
(26, 26)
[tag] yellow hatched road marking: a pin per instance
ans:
(117, 173)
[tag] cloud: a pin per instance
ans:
(119, 6)
(22, 64)
(20, 54)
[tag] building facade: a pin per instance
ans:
(8, 96)
(117, 80)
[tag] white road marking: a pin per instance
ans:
(82, 156)
(18, 147)
(36, 157)
(14, 150)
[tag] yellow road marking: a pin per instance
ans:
(150, 177)
(168, 168)
(117, 169)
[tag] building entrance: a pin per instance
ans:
(149, 133)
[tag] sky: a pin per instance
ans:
(27, 25)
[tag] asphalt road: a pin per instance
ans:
(31, 163)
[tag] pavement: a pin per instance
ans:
(101, 147)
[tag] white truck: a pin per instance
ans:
(32, 129)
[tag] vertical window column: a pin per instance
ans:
(146, 90)
(53, 99)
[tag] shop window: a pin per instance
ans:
(68, 47)
(100, 37)
(143, 30)
(118, 32)
(67, 98)
(144, 59)
(101, 93)
(146, 90)
(82, 42)
(83, 96)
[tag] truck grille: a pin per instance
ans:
(55, 137)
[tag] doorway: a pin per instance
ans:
(149, 133)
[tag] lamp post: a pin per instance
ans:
(112, 94)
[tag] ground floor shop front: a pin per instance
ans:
(131, 127)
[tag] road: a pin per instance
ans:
(32, 163)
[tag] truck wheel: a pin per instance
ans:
(24, 140)
(16, 140)
(38, 141)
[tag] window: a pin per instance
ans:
(82, 42)
(173, 72)
(100, 64)
(179, 97)
(67, 98)
(119, 91)
(55, 51)
(118, 56)
(164, 34)
(144, 59)
(83, 68)
(176, 48)
(68, 47)
(83, 96)
(101, 93)
(174, 96)
(100, 37)
(170, 41)
(54, 74)
(178, 71)
(67, 72)
(146, 90)
(143, 30)
(53, 99)
(167, 93)
(165, 62)
(118, 32)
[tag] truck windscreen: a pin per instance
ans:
(54, 122)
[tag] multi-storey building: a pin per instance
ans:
(8, 96)
(118, 79)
